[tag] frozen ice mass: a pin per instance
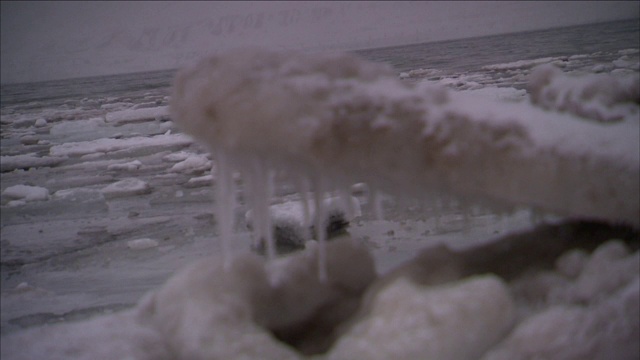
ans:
(316, 151)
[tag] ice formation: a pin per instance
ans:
(334, 120)
(26, 193)
(294, 222)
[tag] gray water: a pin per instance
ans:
(600, 41)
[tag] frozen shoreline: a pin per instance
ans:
(115, 243)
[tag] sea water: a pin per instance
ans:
(595, 43)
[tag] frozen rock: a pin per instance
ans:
(126, 187)
(142, 244)
(26, 193)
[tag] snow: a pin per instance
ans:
(26, 193)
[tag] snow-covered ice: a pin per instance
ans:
(338, 106)
(26, 193)
(126, 187)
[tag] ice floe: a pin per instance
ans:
(26, 193)
(126, 187)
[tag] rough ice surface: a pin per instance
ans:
(598, 97)
(126, 187)
(26, 193)
(135, 115)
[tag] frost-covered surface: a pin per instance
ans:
(82, 254)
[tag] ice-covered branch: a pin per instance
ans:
(349, 120)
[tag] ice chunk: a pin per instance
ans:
(128, 166)
(142, 244)
(126, 187)
(409, 321)
(193, 164)
(40, 123)
(26, 161)
(136, 115)
(599, 97)
(26, 193)
(200, 181)
(107, 145)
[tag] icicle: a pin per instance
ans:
(376, 202)
(321, 231)
(302, 185)
(225, 204)
(345, 196)
(261, 186)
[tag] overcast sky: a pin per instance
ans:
(44, 40)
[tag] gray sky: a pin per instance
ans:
(45, 40)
